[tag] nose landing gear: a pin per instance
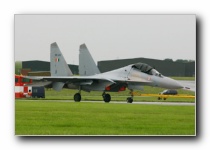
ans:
(106, 97)
(130, 99)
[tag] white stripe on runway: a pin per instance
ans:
(120, 102)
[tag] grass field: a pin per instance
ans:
(184, 78)
(69, 118)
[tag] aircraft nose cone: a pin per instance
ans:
(177, 85)
(173, 84)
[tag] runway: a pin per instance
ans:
(148, 103)
(120, 102)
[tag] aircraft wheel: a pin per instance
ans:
(77, 97)
(159, 98)
(129, 100)
(107, 98)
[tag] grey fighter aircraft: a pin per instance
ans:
(133, 77)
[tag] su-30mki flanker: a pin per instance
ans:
(132, 77)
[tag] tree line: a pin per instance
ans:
(179, 60)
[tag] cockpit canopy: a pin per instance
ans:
(146, 69)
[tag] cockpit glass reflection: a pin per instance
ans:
(146, 69)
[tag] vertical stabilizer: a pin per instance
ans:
(87, 65)
(58, 65)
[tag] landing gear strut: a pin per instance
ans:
(130, 99)
(106, 97)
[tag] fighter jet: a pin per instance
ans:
(132, 77)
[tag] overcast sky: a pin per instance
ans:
(107, 37)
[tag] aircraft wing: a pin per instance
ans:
(68, 78)
(73, 79)
(59, 81)
(40, 83)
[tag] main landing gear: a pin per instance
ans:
(106, 97)
(130, 99)
(77, 97)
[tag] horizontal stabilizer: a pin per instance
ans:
(43, 83)
(33, 77)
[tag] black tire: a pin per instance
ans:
(107, 98)
(159, 98)
(164, 98)
(77, 97)
(129, 100)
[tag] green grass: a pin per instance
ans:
(69, 118)
(184, 78)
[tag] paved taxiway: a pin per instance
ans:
(120, 102)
